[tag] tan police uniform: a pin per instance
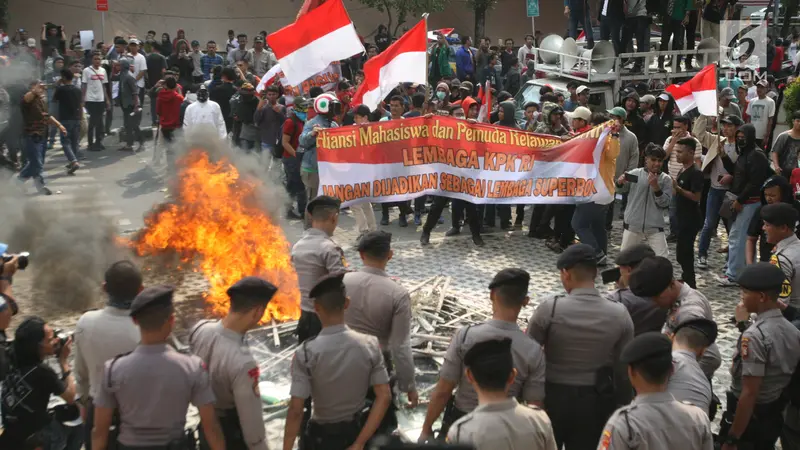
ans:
(690, 305)
(769, 348)
(234, 380)
(688, 383)
(381, 307)
(336, 369)
(504, 426)
(787, 256)
(583, 335)
(657, 422)
(151, 387)
(528, 360)
(314, 256)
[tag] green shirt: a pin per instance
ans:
(680, 8)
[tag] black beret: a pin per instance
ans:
(494, 349)
(328, 283)
(510, 276)
(152, 296)
(632, 256)
(651, 277)
(253, 287)
(378, 241)
(577, 254)
(651, 344)
(761, 277)
(779, 214)
(323, 200)
(706, 326)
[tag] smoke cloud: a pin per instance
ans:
(70, 249)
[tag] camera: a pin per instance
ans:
(23, 258)
(62, 337)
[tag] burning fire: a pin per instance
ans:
(214, 219)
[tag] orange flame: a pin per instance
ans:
(214, 217)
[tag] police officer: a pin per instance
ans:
(499, 422)
(314, 256)
(508, 292)
(688, 383)
(336, 368)
(583, 335)
(653, 279)
(151, 387)
(234, 372)
(645, 314)
(381, 307)
(780, 220)
(654, 420)
(766, 356)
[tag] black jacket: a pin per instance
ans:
(751, 169)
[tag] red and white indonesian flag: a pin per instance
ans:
(270, 78)
(700, 92)
(323, 35)
(403, 62)
(443, 31)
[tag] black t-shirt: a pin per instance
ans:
(69, 99)
(26, 393)
(156, 64)
(222, 94)
(688, 211)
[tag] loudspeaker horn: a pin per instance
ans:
(570, 53)
(550, 45)
(602, 56)
(707, 44)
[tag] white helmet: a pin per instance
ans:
(325, 103)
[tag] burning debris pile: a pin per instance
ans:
(217, 222)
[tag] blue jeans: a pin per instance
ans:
(70, 141)
(737, 240)
(713, 204)
(581, 17)
(35, 149)
(589, 223)
(294, 183)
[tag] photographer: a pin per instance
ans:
(30, 383)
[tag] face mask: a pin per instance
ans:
(741, 143)
(202, 96)
(441, 95)
(301, 115)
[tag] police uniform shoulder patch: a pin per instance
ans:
(254, 374)
(605, 440)
(745, 343)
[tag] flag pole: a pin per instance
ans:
(427, 63)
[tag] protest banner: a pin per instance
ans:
(327, 79)
(402, 159)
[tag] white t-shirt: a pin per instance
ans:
(139, 64)
(94, 80)
(760, 111)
